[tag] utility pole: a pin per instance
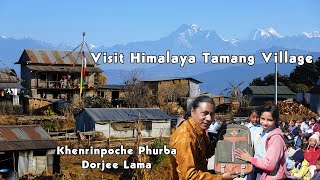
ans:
(276, 84)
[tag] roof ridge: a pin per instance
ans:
(27, 125)
(52, 50)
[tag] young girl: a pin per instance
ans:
(254, 125)
(270, 147)
(301, 167)
(312, 153)
(255, 128)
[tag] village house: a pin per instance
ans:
(9, 86)
(174, 89)
(259, 95)
(52, 74)
(120, 122)
(113, 93)
(27, 149)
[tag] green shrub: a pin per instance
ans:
(158, 159)
(51, 125)
(48, 112)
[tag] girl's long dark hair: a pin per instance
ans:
(274, 112)
(254, 110)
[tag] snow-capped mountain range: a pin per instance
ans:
(189, 38)
(314, 34)
(262, 34)
(185, 40)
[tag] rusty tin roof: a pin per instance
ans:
(25, 137)
(8, 76)
(74, 69)
(54, 57)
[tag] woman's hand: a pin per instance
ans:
(243, 155)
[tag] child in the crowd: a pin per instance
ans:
(292, 125)
(315, 174)
(305, 140)
(301, 167)
(298, 123)
(314, 125)
(254, 125)
(312, 153)
(214, 129)
(304, 147)
(289, 153)
(304, 125)
(288, 134)
(283, 125)
(296, 138)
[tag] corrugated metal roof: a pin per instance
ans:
(280, 96)
(11, 85)
(75, 69)
(173, 78)
(125, 114)
(27, 145)
(269, 90)
(111, 86)
(8, 76)
(25, 137)
(37, 56)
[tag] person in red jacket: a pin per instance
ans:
(312, 153)
(315, 126)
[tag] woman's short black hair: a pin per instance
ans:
(200, 99)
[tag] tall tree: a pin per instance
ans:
(268, 80)
(306, 74)
(137, 94)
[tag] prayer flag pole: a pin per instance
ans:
(83, 66)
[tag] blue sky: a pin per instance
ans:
(119, 22)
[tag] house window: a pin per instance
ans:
(146, 125)
(40, 152)
(43, 76)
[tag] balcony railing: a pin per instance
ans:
(60, 85)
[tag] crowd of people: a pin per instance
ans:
(281, 150)
(303, 151)
(301, 138)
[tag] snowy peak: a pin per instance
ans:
(232, 40)
(194, 29)
(189, 32)
(91, 46)
(263, 34)
(314, 34)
